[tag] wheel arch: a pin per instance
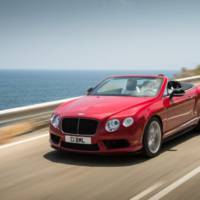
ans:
(160, 120)
(146, 149)
(148, 121)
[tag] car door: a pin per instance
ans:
(192, 98)
(179, 109)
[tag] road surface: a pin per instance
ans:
(30, 169)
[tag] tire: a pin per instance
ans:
(152, 139)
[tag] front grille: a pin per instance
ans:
(84, 147)
(70, 125)
(79, 126)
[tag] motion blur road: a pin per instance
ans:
(30, 169)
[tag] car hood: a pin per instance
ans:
(100, 107)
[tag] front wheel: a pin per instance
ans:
(152, 139)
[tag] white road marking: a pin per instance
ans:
(175, 184)
(147, 191)
(23, 141)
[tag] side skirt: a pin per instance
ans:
(175, 135)
(182, 129)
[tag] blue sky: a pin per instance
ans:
(99, 34)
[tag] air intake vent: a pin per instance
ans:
(91, 147)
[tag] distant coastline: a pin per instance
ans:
(185, 72)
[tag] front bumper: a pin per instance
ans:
(102, 142)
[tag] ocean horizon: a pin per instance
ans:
(28, 87)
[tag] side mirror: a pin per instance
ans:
(177, 93)
(89, 90)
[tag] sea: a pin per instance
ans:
(28, 87)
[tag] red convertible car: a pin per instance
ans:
(126, 114)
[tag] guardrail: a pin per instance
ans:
(15, 114)
(21, 120)
(190, 79)
(17, 121)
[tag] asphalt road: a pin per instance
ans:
(30, 169)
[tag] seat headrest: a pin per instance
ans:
(131, 84)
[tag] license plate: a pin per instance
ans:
(78, 140)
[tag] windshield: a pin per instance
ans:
(129, 86)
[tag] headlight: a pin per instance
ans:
(112, 125)
(55, 121)
(128, 121)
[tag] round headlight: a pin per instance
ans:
(112, 125)
(128, 122)
(55, 121)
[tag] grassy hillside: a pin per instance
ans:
(189, 72)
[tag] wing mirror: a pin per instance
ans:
(177, 92)
(89, 90)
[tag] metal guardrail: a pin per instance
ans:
(18, 121)
(190, 79)
(35, 106)
(29, 112)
